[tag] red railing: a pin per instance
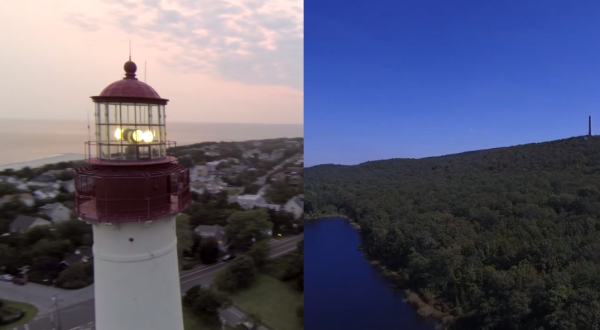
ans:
(133, 193)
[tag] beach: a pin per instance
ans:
(43, 161)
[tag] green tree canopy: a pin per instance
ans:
(209, 250)
(259, 252)
(239, 275)
(505, 238)
(242, 227)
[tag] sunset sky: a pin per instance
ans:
(237, 61)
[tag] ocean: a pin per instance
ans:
(26, 140)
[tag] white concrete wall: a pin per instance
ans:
(137, 283)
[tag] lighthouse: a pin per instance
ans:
(130, 191)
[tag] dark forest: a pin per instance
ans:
(505, 238)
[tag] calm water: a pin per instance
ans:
(24, 140)
(342, 290)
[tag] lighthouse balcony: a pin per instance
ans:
(117, 194)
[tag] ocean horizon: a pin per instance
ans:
(23, 140)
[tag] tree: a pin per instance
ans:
(251, 189)
(37, 233)
(191, 294)
(50, 248)
(209, 302)
(7, 189)
(73, 230)
(300, 311)
(185, 238)
(239, 275)
(75, 276)
(209, 251)
(205, 302)
(244, 227)
(259, 252)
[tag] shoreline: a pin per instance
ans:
(68, 157)
(421, 308)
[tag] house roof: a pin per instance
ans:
(26, 196)
(250, 197)
(297, 201)
(215, 231)
(45, 177)
(48, 209)
(197, 184)
(25, 221)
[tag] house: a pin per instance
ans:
(8, 179)
(294, 170)
(277, 154)
(295, 206)
(69, 186)
(238, 168)
(212, 153)
(248, 201)
(198, 171)
(24, 198)
(280, 176)
(197, 187)
(213, 165)
(27, 199)
(42, 180)
(46, 193)
(274, 207)
(83, 255)
(215, 231)
(56, 212)
(23, 223)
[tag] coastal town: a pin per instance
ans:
(43, 242)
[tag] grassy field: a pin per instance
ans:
(277, 267)
(192, 322)
(273, 300)
(30, 313)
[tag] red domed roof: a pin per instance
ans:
(129, 87)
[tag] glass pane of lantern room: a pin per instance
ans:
(142, 114)
(116, 152)
(127, 113)
(100, 113)
(103, 134)
(153, 112)
(113, 113)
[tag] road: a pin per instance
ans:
(261, 181)
(77, 313)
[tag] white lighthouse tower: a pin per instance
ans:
(131, 192)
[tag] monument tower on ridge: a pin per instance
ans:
(131, 192)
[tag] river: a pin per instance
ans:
(342, 290)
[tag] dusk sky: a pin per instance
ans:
(233, 61)
(418, 78)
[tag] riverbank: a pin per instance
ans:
(424, 308)
(353, 223)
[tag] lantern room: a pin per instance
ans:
(130, 178)
(130, 122)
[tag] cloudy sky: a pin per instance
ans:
(216, 60)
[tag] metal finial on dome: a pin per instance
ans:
(130, 69)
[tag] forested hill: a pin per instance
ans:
(505, 238)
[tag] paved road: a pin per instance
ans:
(261, 181)
(77, 307)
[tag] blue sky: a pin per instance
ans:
(412, 79)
